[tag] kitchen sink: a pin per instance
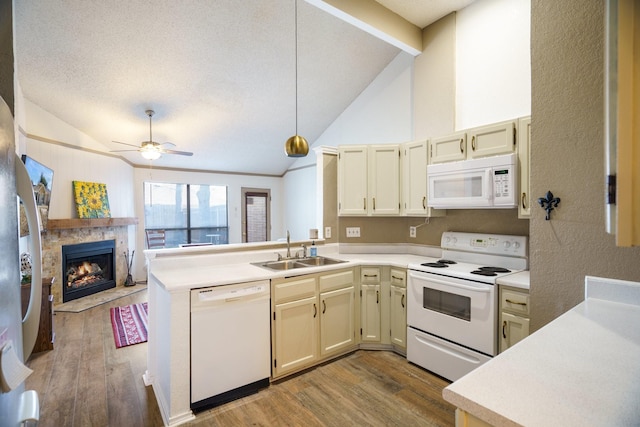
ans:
(288, 264)
(319, 260)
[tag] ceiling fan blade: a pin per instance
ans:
(182, 153)
(122, 151)
(168, 143)
(124, 143)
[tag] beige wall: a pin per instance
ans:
(567, 157)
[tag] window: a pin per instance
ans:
(189, 213)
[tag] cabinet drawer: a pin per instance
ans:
(290, 290)
(341, 279)
(514, 301)
(369, 275)
(399, 278)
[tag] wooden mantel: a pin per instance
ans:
(59, 224)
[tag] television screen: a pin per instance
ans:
(41, 179)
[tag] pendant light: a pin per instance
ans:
(296, 146)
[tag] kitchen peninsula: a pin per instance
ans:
(581, 369)
(174, 273)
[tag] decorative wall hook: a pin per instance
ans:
(548, 203)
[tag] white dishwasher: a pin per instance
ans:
(230, 342)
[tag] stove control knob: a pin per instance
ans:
(516, 245)
(507, 244)
(455, 240)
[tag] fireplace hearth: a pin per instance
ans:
(88, 268)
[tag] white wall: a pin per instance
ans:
(300, 203)
(493, 65)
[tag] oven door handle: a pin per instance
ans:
(482, 288)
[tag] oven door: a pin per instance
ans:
(457, 310)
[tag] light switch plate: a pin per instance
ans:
(327, 232)
(353, 231)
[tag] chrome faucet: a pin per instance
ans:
(288, 245)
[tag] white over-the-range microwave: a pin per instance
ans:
(484, 183)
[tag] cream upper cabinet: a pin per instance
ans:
(524, 165)
(384, 179)
(491, 140)
(483, 141)
(352, 180)
(414, 180)
(514, 316)
(369, 180)
(399, 308)
(449, 148)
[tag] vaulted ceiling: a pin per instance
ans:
(220, 75)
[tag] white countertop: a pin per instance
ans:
(582, 369)
(197, 271)
(516, 280)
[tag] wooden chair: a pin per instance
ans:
(155, 239)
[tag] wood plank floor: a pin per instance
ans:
(86, 381)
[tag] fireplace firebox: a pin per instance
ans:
(88, 268)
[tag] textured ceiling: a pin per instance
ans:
(220, 75)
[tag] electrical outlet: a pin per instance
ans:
(412, 231)
(353, 231)
(327, 232)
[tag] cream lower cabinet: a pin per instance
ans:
(312, 319)
(398, 308)
(514, 316)
(337, 313)
(370, 311)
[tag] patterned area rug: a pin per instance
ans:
(129, 324)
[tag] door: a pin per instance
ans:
(370, 312)
(352, 180)
(492, 140)
(398, 316)
(512, 329)
(296, 335)
(336, 321)
(448, 148)
(384, 179)
(256, 215)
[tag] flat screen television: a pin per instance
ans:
(41, 178)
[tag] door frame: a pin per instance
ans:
(247, 191)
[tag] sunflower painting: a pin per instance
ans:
(91, 199)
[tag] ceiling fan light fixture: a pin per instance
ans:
(296, 146)
(150, 152)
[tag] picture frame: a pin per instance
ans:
(91, 199)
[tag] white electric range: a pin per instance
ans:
(452, 303)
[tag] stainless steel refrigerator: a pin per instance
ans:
(16, 334)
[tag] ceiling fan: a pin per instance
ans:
(151, 150)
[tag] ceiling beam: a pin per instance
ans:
(372, 17)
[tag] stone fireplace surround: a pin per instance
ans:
(70, 232)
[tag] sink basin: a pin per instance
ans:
(319, 260)
(288, 264)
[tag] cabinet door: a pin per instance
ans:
(296, 335)
(491, 140)
(337, 330)
(370, 313)
(384, 179)
(399, 316)
(414, 178)
(524, 164)
(448, 148)
(512, 329)
(352, 180)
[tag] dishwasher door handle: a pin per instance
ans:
(210, 295)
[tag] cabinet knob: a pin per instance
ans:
(504, 326)
(462, 145)
(473, 143)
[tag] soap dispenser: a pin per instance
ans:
(313, 252)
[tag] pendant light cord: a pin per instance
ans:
(296, 39)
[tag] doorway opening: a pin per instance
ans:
(256, 215)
